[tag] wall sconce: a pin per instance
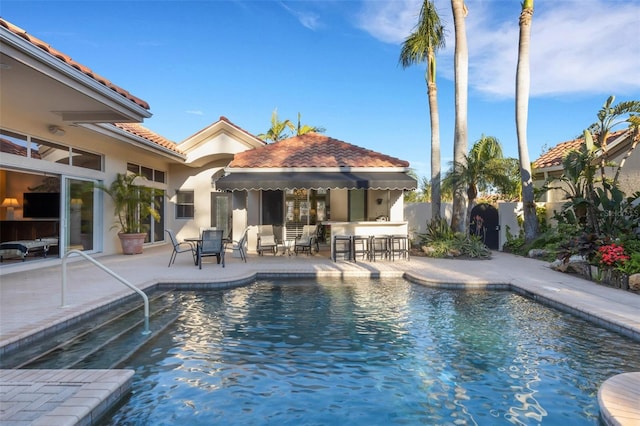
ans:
(10, 204)
(379, 201)
(58, 131)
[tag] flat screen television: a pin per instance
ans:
(41, 205)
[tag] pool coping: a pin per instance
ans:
(61, 397)
(548, 295)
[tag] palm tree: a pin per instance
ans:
(484, 168)
(277, 130)
(421, 46)
(609, 117)
(522, 110)
(510, 187)
(461, 70)
(305, 128)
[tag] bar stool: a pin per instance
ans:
(399, 245)
(361, 247)
(342, 245)
(379, 246)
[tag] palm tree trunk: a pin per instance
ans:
(432, 91)
(522, 111)
(461, 65)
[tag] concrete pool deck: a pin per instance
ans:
(30, 303)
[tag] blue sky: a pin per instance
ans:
(336, 62)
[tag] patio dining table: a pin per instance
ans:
(198, 241)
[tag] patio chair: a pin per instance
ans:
(212, 244)
(307, 239)
(180, 247)
(267, 240)
(239, 244)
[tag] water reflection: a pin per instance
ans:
(373, 352)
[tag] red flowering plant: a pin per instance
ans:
(611, 255)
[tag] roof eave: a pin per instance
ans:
(26, 52)
(314, 169)
(130, 138)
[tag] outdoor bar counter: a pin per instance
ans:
(366, 228)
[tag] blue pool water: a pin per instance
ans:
(371, 353)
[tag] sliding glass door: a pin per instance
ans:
(80, 215)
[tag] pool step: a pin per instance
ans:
(81, 341)
(120, 347)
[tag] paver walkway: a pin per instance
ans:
(30, 300)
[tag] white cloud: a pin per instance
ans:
(581, 47)
(389, 21)
(308, 20)
(194, 112)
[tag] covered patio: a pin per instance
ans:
(314, 179)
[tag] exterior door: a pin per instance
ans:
(79, 215)
(485, 224)
(272, 208)
(221, 212)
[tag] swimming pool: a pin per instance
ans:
(371, 352)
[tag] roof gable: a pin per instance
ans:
(313, 150)
(555, 155)
(218, 142)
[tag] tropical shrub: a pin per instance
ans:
(585, 245)
(440, 241)
(632, 265)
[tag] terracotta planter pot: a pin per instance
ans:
(132, 243)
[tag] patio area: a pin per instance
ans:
(31, 299)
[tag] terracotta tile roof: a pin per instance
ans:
(143, 132)
(555, 155)
(66, 59)
(313, 150)
(11, 148)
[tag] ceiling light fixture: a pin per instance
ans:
(58, 131)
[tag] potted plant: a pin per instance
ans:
(133, 204)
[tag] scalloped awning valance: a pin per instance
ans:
(315, 180)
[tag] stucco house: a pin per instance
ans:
(314, 179)
(64, 129)
(549, 165)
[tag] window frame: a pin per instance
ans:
(185, 209)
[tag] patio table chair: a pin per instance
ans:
(212, 244)
(180, 247)
(267, 240)
(307, 239)
(239, 244)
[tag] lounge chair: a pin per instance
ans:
(267, 240)
(180, 247)
(239, 244)
(212, 244)
(307, 239)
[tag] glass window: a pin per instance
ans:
(50, 151)
(357, 205)
(86, 160)
(147, 172)
(158, 176)
(184, 205)
(13, 143)
(133, 168)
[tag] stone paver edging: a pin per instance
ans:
(60, 397)
(619, 400)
